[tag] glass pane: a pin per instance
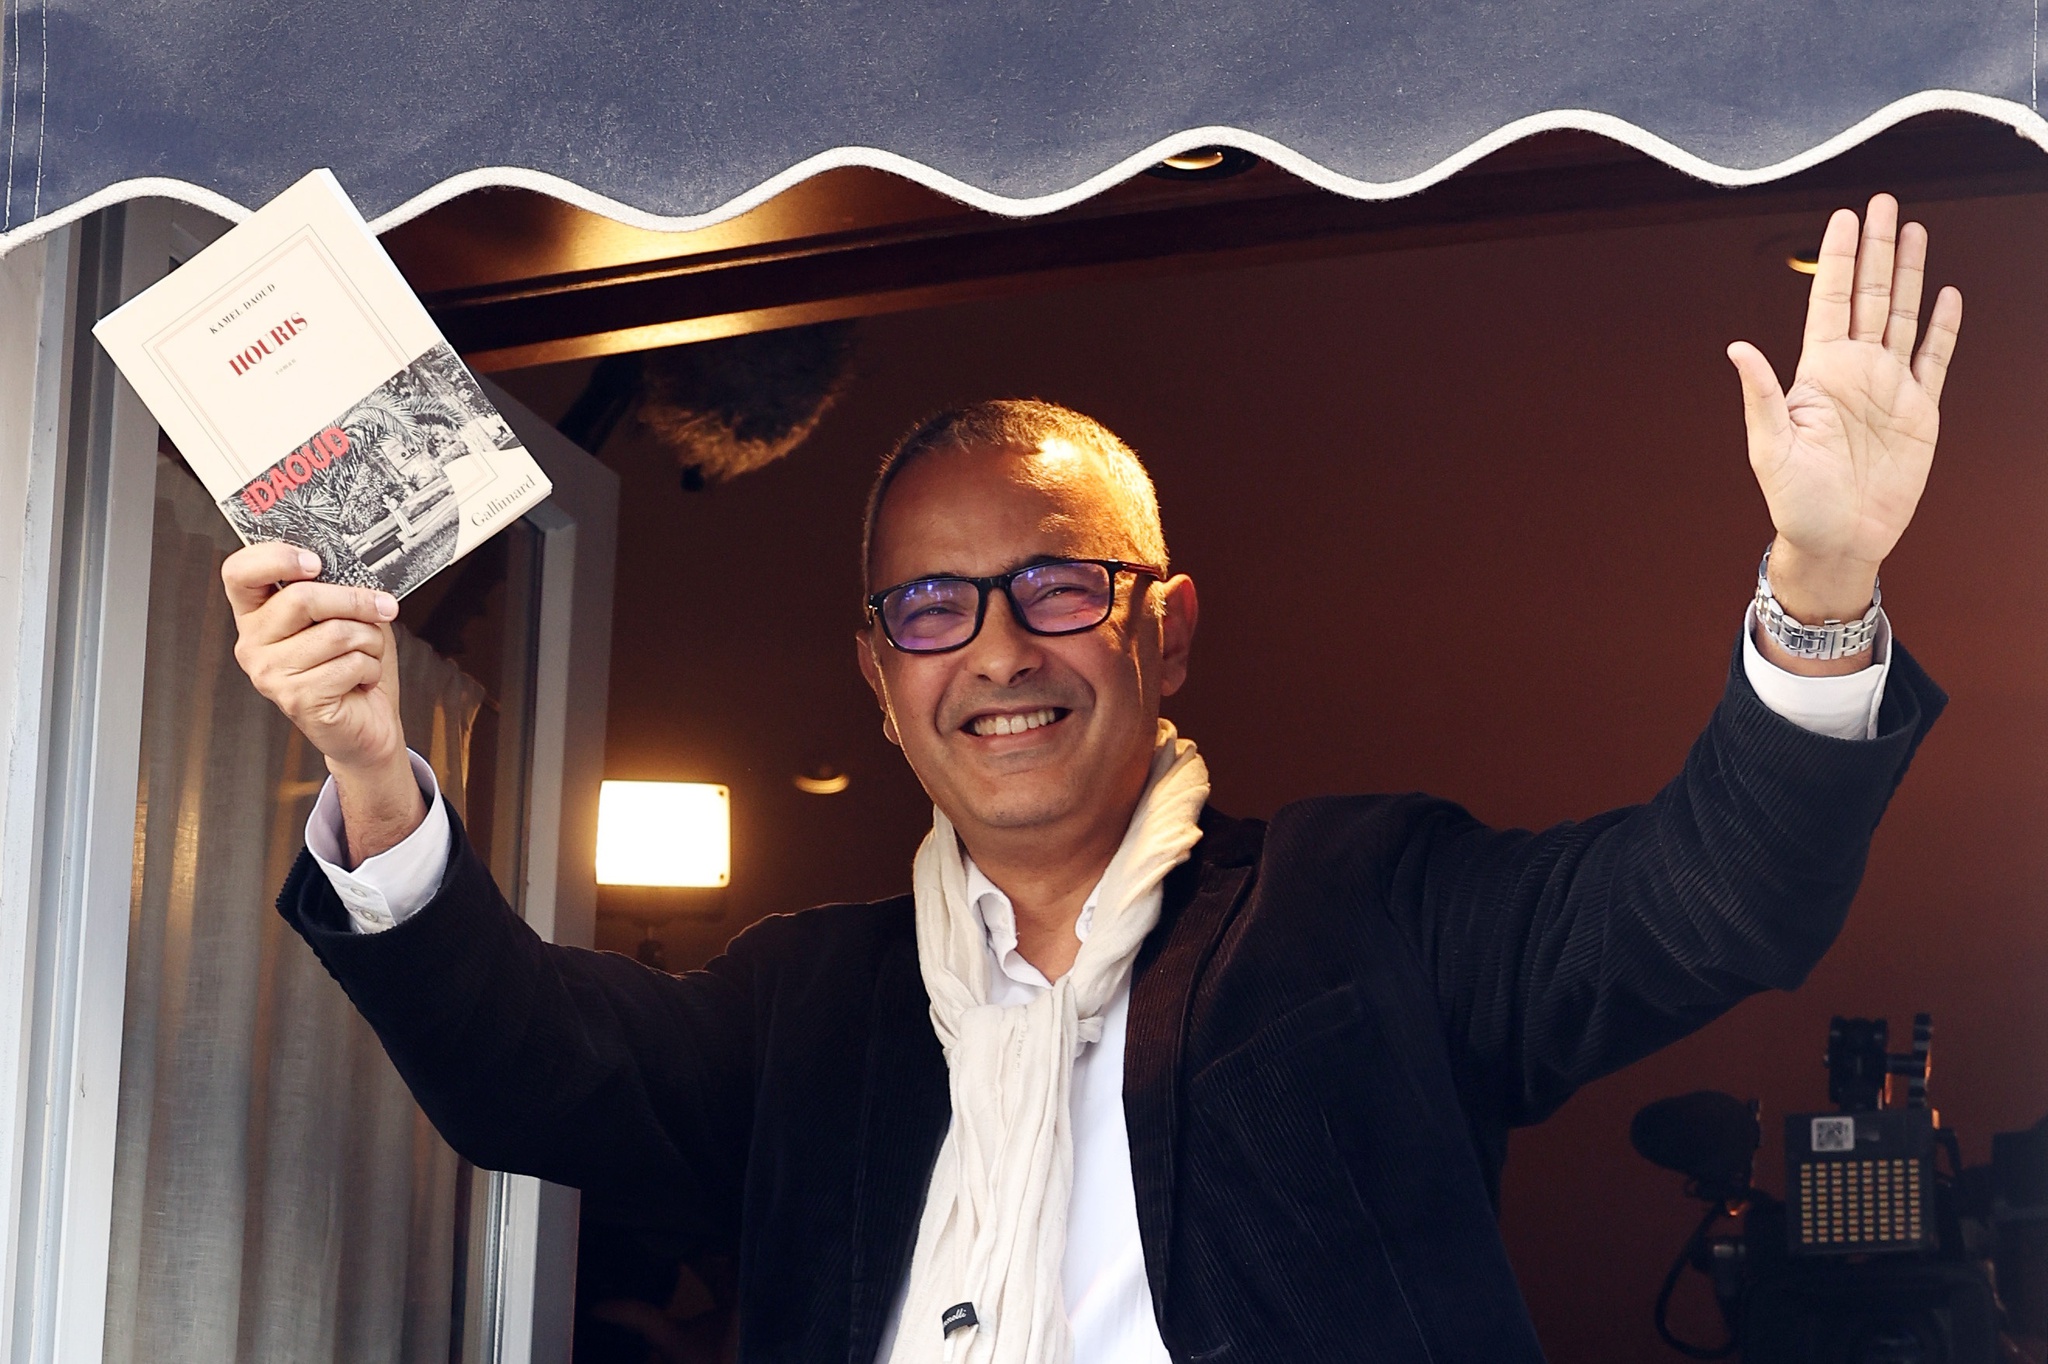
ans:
(483, 615)
(277, 1193)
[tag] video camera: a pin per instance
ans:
(1877, 1254)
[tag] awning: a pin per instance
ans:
(676, 116)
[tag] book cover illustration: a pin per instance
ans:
(378, 492)
(308, 389)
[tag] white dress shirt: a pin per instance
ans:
(388, 887)
(1109, 1302)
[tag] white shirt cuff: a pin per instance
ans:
(1842, 707)
(386, 888)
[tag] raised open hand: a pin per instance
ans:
(1843, 457)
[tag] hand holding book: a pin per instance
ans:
(323, 653)
(351, 450)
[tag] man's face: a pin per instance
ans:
(973, 513)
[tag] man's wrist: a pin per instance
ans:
(1813, 591)
(381, 805)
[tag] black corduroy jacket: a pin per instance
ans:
(1332, 1028)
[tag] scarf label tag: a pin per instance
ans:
(959, 1315)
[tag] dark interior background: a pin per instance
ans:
(1473, 519)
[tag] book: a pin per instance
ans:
(306, 386)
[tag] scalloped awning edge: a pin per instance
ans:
(2022, 120)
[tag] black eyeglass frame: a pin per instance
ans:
(1001, 582)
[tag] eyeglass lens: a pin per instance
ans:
(1053, 599)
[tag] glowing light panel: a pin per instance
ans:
(664, 833)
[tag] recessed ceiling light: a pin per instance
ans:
(1204, 163)
(822, 781)
(1803, 262)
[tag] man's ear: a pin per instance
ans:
(1179, 610)
(871, 669)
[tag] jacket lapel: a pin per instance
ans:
(1201, 896)
(905, 1107)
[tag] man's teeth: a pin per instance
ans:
(988, 725)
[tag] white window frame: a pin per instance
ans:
(77, 503)
(534, 1279)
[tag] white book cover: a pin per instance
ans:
(304, 383)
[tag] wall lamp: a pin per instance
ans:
(664, 833)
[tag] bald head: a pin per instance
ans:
(1060, 448)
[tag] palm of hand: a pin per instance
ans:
(1847, 472)
(1844, 456)
(363, 723)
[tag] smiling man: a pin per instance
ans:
(1124, 1079)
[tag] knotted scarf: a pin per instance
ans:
(994, 1231)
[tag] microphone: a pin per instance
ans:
(1709, 1137)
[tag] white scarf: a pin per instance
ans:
(994, 1231)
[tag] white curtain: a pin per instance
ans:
(278, 1196)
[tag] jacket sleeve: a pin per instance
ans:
(1560, 956)
(583, 1068)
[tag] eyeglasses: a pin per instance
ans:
(1059, 597)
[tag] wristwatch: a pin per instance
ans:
(1830, 639)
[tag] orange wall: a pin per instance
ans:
(1475, 520)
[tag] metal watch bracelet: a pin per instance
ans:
(1830, 639)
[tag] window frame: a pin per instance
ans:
(77, 504)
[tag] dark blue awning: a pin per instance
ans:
(673, 116)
